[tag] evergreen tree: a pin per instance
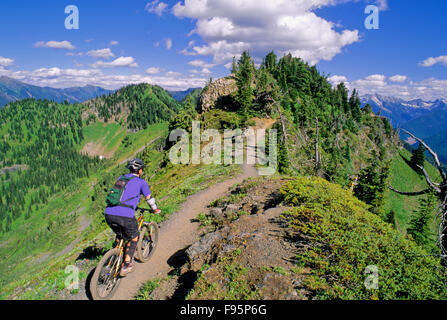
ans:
(391, 218)
(234, 66)
(270, 62)
(417, 158)
(342, 97)
(367, 109)
(354, 106)
(244, 79)
(371, 185)
(419, 226)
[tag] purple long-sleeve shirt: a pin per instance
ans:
(134, 189)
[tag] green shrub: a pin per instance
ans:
(343, 238)
(219, 120)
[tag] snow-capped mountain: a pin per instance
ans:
(425, 119)
(400, 111)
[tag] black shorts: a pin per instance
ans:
(123, 226)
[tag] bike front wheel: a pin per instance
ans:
(147, 242)
(106, 278)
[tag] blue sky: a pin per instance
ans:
(181, 44)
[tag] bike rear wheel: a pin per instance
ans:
(147, 242)
(106, 278)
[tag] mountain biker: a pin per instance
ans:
(121, 218)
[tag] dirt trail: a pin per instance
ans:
(176, 234)
(179, 231)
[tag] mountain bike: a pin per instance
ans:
(106, 278)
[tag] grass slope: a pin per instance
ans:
(37, 251)
(404, 178)
(340, 240)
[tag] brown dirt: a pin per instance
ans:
(257, 245)
(96, 149)
(257, 242)
(175, 235)
(263, 123)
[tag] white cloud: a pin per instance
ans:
(153, 70)
(63, 78)
(398, 78)
(119, 62)
(55, 44)
(186, 51)
(337, 79)
(201, 64)
(222, 51)
(428, 89)
(105, 53)
(55, 77)
(72, 54)
(5, 62)
(114, 43)
(168, 43)
(173, 74)
(382, 4)
(230, 26)
(374, 81)
(156, 7)
(57, 72)
(203, 71)
(432, 61)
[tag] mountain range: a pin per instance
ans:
(55, 220)
(180, 95)
(426, 119)
(13, 90)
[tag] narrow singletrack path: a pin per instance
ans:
(176, 234)
(179, 231)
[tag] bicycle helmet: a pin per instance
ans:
(135, 165)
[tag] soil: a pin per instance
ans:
(257, 243)
(175, 236)
(96, 149)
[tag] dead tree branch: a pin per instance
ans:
(433, 154)
(417, 193)
(441, 191)
(432, 184)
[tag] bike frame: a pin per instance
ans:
(122, 243)
(114, 264)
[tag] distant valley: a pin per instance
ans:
(425, 119)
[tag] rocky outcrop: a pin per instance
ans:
(215, 91)
(244, 253)
(201, 251)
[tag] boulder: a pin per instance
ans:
(216, 212)
(199, 253)
(231, 209)
(218, 89)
